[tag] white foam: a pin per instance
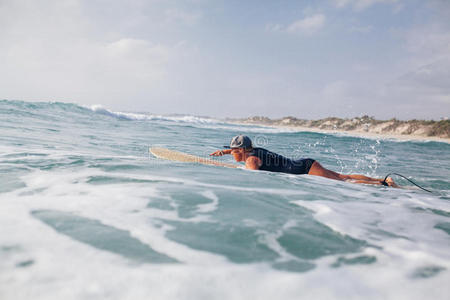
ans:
(208, 207)
(394, 224)
(151, 117)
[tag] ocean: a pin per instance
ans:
(86, 212)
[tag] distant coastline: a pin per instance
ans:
(362, 126)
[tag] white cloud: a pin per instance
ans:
(306, 26)
(336, 90)
(138, 61)
(422, 86)
(362, 4)
(177, 15)
(138, 50)
(433, 78)
(427, 66)
(432, 42)
(361, 67)
(342, 3)
(361, 29)
(274, 27)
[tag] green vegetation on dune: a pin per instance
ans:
(441, 128)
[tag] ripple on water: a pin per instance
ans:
(101, 236)
(427, 272)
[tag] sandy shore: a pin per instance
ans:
(357, 133)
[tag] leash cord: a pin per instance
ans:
(384, 181)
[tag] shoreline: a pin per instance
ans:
(356, 132)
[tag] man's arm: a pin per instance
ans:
(253, 163)
(221, 152)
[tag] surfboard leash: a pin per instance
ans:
(392, 173)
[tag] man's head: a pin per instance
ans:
(241, 141)
(240, 145)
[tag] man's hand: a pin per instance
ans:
(221, 152)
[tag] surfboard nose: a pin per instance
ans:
(173, 155)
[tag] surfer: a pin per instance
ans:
(261, 159)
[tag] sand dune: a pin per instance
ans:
(366, 126)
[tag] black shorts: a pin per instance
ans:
(302, 166)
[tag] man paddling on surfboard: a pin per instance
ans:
(261, 159)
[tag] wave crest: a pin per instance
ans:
(145, 117)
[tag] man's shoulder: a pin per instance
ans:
(253, 162)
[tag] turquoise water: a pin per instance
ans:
(86, 212)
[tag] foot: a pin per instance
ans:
(391, 182)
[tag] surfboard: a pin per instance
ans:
(189, 158)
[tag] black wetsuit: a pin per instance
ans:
(277, 163)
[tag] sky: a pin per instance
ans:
(229, 58)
